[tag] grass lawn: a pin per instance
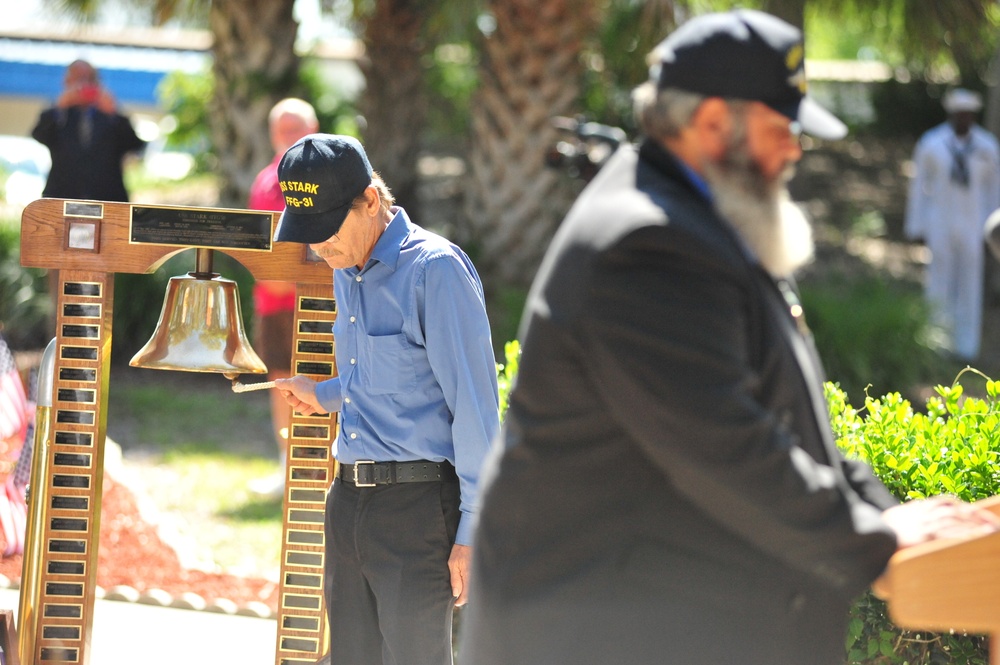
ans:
(190, 446)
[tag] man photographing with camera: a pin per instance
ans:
(87, 138)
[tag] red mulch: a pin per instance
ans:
(131, 553)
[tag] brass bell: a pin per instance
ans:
(200, 328)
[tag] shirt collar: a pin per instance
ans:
(669, 163)
(699, 183)
(388, 246)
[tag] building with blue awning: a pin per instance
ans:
(132, 64)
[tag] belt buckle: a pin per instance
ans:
(356, 465)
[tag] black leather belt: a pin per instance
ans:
(364, 473)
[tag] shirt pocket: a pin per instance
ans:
(390, 365)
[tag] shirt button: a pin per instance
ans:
(353, 319)
(354, 435)
(353, 361)
(347, 400)
(357, 279)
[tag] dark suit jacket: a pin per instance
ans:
(86, 164)
(668, 490)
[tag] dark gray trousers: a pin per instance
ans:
(387, 584)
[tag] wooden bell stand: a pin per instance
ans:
(949, 585)
(87, 242)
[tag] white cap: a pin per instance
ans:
(958, 100)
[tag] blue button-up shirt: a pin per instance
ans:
(417, 375)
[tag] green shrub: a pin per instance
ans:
(950, 449)
(183, 95)
(25, 310)
(506, 373)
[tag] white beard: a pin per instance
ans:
(773, 227)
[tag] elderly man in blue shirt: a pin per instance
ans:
(418, 404)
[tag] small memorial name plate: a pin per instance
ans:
(200, 227)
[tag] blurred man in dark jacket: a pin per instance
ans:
(87, 139)
(668, 489)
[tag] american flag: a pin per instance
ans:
(14, 411)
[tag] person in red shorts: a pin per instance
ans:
(274, 302)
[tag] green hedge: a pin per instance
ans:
(25, 310)
(506, 373)
(951, 448)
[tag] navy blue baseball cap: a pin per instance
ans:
(320, 176)
(744, 54)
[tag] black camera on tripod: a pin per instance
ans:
(586, 148)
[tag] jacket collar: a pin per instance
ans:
(667, 163)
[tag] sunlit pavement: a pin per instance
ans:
(131, 633)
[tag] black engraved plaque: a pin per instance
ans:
(76, 482)
(63, 589)
(305, 537)
(323, 348)
(323, 369)
(304, 559)
(63, 611)
(304, 579)
(303, 452)
(61, 632)
(74, 438)
(307, 496)
(68, 546)
(79, 352)
(300, 623)
(311, 432)
(68, 524)
(75, 417)
(60, 654)
(200, 227)
(315, 327)
(299, 644)
(70, 503)
(82, 311)
(305, 516)
(82, 396)
(82, 289)
(66, 567)
(302, 602)
(73, 374)
(304, 473)
(318, 305)
(86, 332)
(71, 459)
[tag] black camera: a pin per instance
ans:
(586, 148)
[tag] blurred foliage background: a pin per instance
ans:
(480, 93)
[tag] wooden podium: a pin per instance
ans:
(949, 585)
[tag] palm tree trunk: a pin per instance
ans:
(530, 71)
(255, 65)
(394, 102)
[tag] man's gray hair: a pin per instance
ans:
(662, 114)
(385, 196)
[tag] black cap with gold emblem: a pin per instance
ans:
(320, 176)
(744, 54)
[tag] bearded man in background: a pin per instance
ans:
(667, 488)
